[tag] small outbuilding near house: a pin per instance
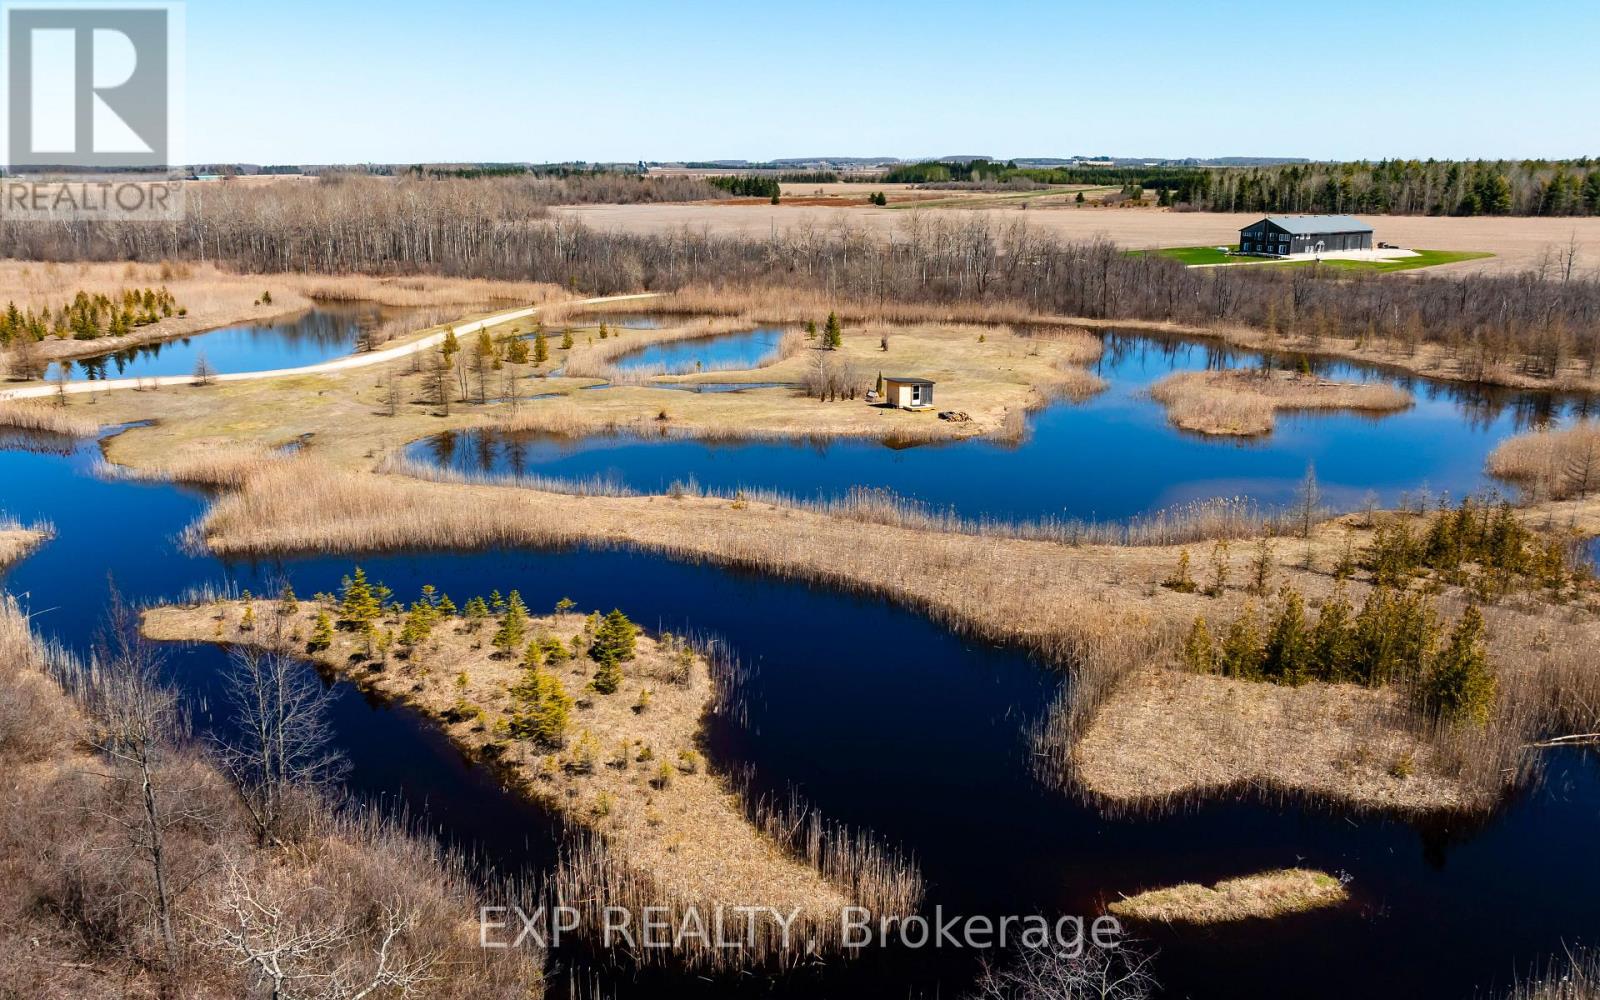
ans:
(908, 393)
(1287, 235)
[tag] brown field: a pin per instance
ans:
(1517, 243)
(1242, 403)
(1250, 897)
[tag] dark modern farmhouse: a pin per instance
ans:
(1282, 235)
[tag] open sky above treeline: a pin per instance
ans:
(319, 81)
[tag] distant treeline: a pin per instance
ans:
(746, 185)
(1388, 187)
(496, 229)
(989, 171)
(481, 170)
(1402, 187)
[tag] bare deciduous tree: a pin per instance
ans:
(298, 950)
(281, 742)
(138, 727)
(1041, 974)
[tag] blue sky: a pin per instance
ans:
(301, 81)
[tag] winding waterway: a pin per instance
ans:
(928, 747)
(1108, 459)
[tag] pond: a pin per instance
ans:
(928, 748)
(309, 338)
(1107, 459)
(719, 352)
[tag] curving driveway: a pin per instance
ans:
(336, 365)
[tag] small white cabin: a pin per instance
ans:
(908, 393)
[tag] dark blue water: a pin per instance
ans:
(627, 320)
(1111, 458)
(721, 352)
(310, 338)
(926, 746)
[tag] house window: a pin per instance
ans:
(916, 395)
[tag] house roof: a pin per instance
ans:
(907, 381)
(1306, 225)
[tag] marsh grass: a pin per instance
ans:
(77, 913)
(1243, 402)
(18, 539)
(48, 418)
(1551, 463)
(1204, 520)
(1248, 897)
(1573, 975)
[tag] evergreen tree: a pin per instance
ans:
(449, 345)
(288, 604)
(541, 709)
(566, 339)
(475, 613)
(607, 677)
(359, 604)
(513, 626)
(1286, 659)
(321, 633)
(1459, 685)
(517, 352)
(811, 329)
(1181, 580)
(541, 347)
(614, 638)
(1261, 569)
(1333, 641)
(1199, 649)
(833, 333)
(1241, 647)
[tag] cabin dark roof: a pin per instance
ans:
(1307, 225)
(907, 381)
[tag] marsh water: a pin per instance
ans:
(927, 747)
(309, 338)
(719, 352)
(1107, 459)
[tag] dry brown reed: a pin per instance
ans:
(1573, 975)
(17, 539)
(48, 418)
(1203, 520)
(784, 303)
(1249, 897)
(1551, 463)
(1244, 402)
(74, 890)
(417, 291)
(224, 465)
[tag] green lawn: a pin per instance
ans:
(1204, 255)
(1191, 256)
(1424, 258)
